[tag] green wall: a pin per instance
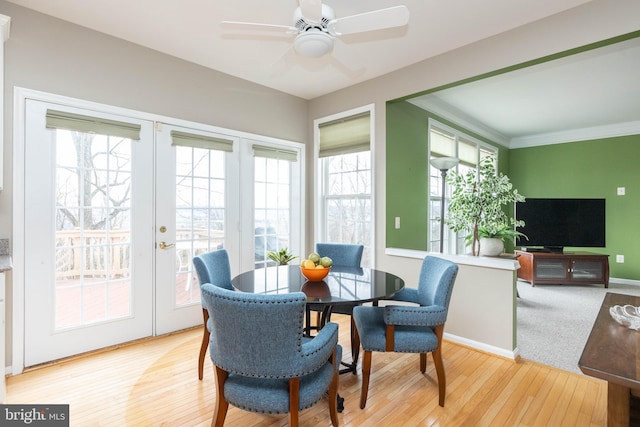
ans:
(407, 161)
(587, 169)
(407, 191)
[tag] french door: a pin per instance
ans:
(115, 209)
(88, 211)
(196, 205)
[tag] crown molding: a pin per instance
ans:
(446, 111)
(5, 27)
(574, 135)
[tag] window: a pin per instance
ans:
(272, 201)
(445, 141)
(200, 208)
(345, 182)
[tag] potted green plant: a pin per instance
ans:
(478, 203)
(491, 242)
(281, 257)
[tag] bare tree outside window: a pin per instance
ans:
(93, 204)
(347, 200)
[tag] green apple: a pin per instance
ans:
(314, 257)
(326, 261)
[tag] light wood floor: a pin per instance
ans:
(155, 383)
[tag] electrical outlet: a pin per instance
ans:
(621, 191)
(620, 258)
(397, 222)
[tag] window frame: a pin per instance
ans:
(296, 197)
(321, 176)
(435, 175)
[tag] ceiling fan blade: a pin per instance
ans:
(244, 26)
(396, 16)
(311, 10)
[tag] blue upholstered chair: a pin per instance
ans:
(211, 267)
(263, 363)
(342, 255)
(415, 328)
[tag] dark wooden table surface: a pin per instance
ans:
(611, 354)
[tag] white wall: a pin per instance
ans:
(482, 311)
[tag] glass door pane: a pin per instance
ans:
(93, 228)
(200, 214)
(272, 207)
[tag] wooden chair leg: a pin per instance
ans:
(437, 360)
(221, 403)
(366, 372)
(423, 362)
(294, 401)
(355, 345)
(204, 345)
(333, 398)
(442, 382)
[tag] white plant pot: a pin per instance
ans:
(490, 246)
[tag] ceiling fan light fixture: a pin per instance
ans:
(313, 43)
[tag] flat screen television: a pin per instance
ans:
(553, 224)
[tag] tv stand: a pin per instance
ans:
(563, 268)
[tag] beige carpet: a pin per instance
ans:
(554, 321)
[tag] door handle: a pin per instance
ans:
(163, 245)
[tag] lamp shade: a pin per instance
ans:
(444, 163)
(313, 43)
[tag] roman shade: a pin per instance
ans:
(349, 135)
(184, 139)
(443, 144)
(80, 123)
(275, 153)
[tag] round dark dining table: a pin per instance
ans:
(343, 285)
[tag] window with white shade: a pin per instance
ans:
(346, 181)
(445, 141)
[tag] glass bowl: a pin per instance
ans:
(626, 315)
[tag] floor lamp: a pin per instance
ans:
(443, 164)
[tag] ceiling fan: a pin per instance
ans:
(315, 25)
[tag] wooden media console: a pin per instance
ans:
(563, 268)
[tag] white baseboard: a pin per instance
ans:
(624, 281)
(513, 354)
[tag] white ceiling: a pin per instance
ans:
(189, 29)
